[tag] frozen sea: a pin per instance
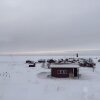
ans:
(19, 82)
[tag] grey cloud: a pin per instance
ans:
(49, 24)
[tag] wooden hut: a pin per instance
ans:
(64, 70)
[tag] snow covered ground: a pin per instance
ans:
(19, 82)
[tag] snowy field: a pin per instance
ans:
(19, 82)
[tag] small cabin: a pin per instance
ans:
(64, 70)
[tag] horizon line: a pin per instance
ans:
(45, 52)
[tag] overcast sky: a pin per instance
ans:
(35, 25)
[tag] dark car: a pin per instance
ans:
(29, 61)
(98, 60)
(41, 61)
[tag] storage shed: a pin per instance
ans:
(64, 70)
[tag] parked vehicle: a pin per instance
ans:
(98, 60)
(41, 61)
(32, 65)
(29, 61)
(87, 63)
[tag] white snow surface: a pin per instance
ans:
(64, 66)
(20, 82)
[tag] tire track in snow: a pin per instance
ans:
(85, 93)
(88, 95)
(4, 79)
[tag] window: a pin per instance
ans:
(61, 71)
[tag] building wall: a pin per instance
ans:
(62, 72)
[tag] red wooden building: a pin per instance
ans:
(64, 70)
